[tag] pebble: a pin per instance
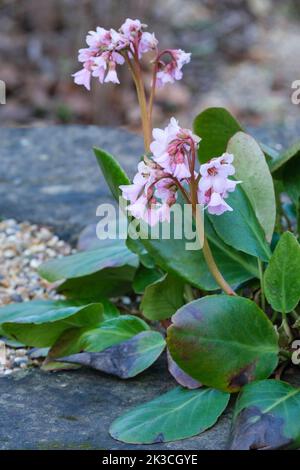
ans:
(23, 248)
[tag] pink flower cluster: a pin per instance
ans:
(155, 186)
(108, 48)
(105, 51)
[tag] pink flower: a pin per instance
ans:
(138, 39)
(112, 74)
(171, 149)
(151, 195)
(147, 43)
(214, 186)
(99, 38)
(171, 71)
(217, 205)
(130, 28)
(141, 183)
(83, 77)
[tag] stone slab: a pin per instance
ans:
(73, 410)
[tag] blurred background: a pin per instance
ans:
(245, 57)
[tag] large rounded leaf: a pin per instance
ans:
(215, 126)
(282, 276)
(252, 169)
(267, 416)
(240, 228)
(223, 341)
(177, 414)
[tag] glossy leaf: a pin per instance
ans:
(282, 276)
(163, 298)
(112, 171)
(251, 168)
(173, 257)
(215, 126)
(94, 274)
(144, 277)
(223, 342)
(107, 334)
(112, 332)
(40, 323)
(177, 414)
(126, 359)
(267, 416)
(240, 228)
(113, 254)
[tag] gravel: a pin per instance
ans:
(23, 247)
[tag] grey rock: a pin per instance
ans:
(73, 410)
(50, 175)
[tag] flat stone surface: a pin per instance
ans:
(73, 410)
(50, 175)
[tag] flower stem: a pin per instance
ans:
(207, 253)
(135, 69)
(152, 93)
(209, 258)
(215, 270)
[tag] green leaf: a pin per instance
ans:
(163, 298)
(291, 180)
(266, 416)
(107, 334)
(215, 126)
(223, 342)
(144, 277)
(279, 163)
(252, 169)
(41, 322)
(137, 247)
(109, 310)
(172, 256)
(112, 332)
(126, 359)
(94, 274)
(240, 228)
(282, 276)
(177, 414)
(112, 171)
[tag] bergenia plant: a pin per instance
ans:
(227, 312)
